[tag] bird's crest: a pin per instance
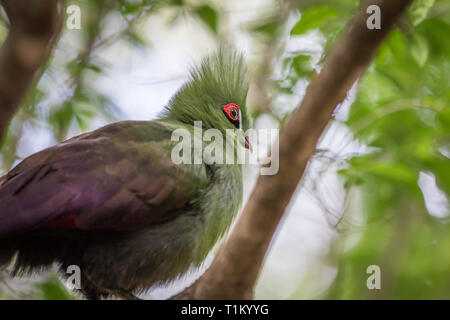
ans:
(220, 79)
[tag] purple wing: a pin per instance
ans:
(115, 178)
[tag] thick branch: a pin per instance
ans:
(34, 26)
(234, 270)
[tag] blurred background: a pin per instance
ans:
(375, 193)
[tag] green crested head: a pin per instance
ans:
(215, 93)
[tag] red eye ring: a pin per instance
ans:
(232, 111)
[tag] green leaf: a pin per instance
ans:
(419, 49)
(209, 16)
(302, 65)
(419, 10)
(53, 289)
(60, 119)
(395, 171)
(75, 67)
(396, 42)
(176, 3)
(312, 18)
(268, 28)
(282, 86)
(436, 32)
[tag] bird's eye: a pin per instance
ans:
(231, 111)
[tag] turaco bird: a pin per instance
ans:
(114, 203)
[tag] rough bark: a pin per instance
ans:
(233, 272)
(34, 25)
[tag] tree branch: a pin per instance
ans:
(233, 272)
(34, 27)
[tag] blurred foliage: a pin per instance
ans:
(402, 113)
(51, 288)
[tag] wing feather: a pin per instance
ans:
(119, 177)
